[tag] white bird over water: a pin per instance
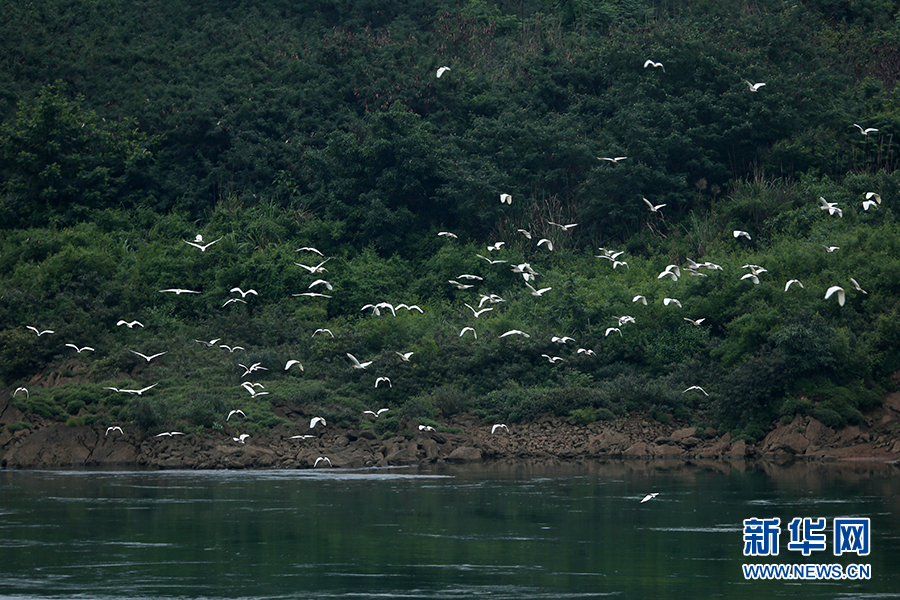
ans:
(80, 350)
(322, 459)
(499, 426)
(39, 332)
(146, 357)
(356, 363)
(841, 297)
(129, 324)
(441, 71)
(198, 243)
(649, 497)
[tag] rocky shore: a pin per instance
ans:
(58, 445)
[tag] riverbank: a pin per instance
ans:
(464, 438)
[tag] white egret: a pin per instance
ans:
(480, 312)
(673, 272)
(641, 299)
(612, 159)
(80, 350)
(538, 292)
(547, 242)
(316, 269)
(586, 351)
(168, 433)
(243, 293)
(41, 332)
(865, 131)
(447, 234)
(210, 343)
(654, 64)
(21, 389)
(241, 438)
(327, 285)
(840, 294)
(129, 324)
(611, 329)
(426, 428)
(649, 497)
(376, 413)
(737, 233)
(753, 87)
(561, 340)
(752, 277)
(291, 363)
(505, 199)
(856, 286)
(236, 411)
(668, 301)
(198, 243)
(312, 295)
(499, 426)
(146, 357)
(231, 349)
(464, 330)
(563, 227)
(831, 207)
(695, 387)
(357, 364)
(526, 233)
(553, 359)
(178, 291)
(412, 307)
(694, 322)
(653, 208)
(230, 300)
(460, 286)
(309, 249)
(791, 282)
(441, 71)
(830, 249)
(114, 428)
(490, 261)
(404, 356)
(322, 459)
(383, 380)
(315, 421)
(495, 246)
(515, 332)
(867, 204)
(873, 197)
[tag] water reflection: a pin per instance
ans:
(520, 529)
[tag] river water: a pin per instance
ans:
(519, 530)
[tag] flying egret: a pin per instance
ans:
(441, 71)
(243, 293)
(752, 277)
(625, 319)
(563, 227)
(327, 285)
(301, 437)
(611, 329)
(586, 351)
(230, 300)
(653, 208)
(129, 324)
(309, 249)
(561, 340)
(696, 322)
(147, 358)
(231, 349)
(168, 433)
(114, 428)
(673, 272)
(490, 261)
(357, 364)
(830, 249)
(668, 301)
(315, 421)
(499, 426)
(460, 286)
(546, 241)
(41, 332)
(236, 411)
(612, 159)
(867, 204)
(480, 312)
(538, 292)
(447, 234)
(80, 350)
(856, 286)
(316, 269)
(791, 282)
(241, 438)
(426, 428)
(641, 299)
(695, 387)
(553, 359)
(649, 497)
(654, 64)
(463, 331)
(737, 233)
(873, 196)
(505, 199)
(496, 246)
(291, 363)
(412, 307)
(198, 243)
(376, 413)
(383, 380)
(21, 389)
(514, 332)
(178, 291)
(840, 294)
(865, 131)
(210, 343)
(404, 356)
(312, 295)
(322, 459)
(753, 87)
(831, 207)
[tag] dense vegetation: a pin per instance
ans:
(129, 128)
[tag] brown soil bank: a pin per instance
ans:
(57, 445)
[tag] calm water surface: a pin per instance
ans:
(516, 531)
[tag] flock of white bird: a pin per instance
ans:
(466, 282)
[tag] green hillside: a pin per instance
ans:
(128, 129)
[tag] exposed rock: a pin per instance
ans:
(465, 454)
